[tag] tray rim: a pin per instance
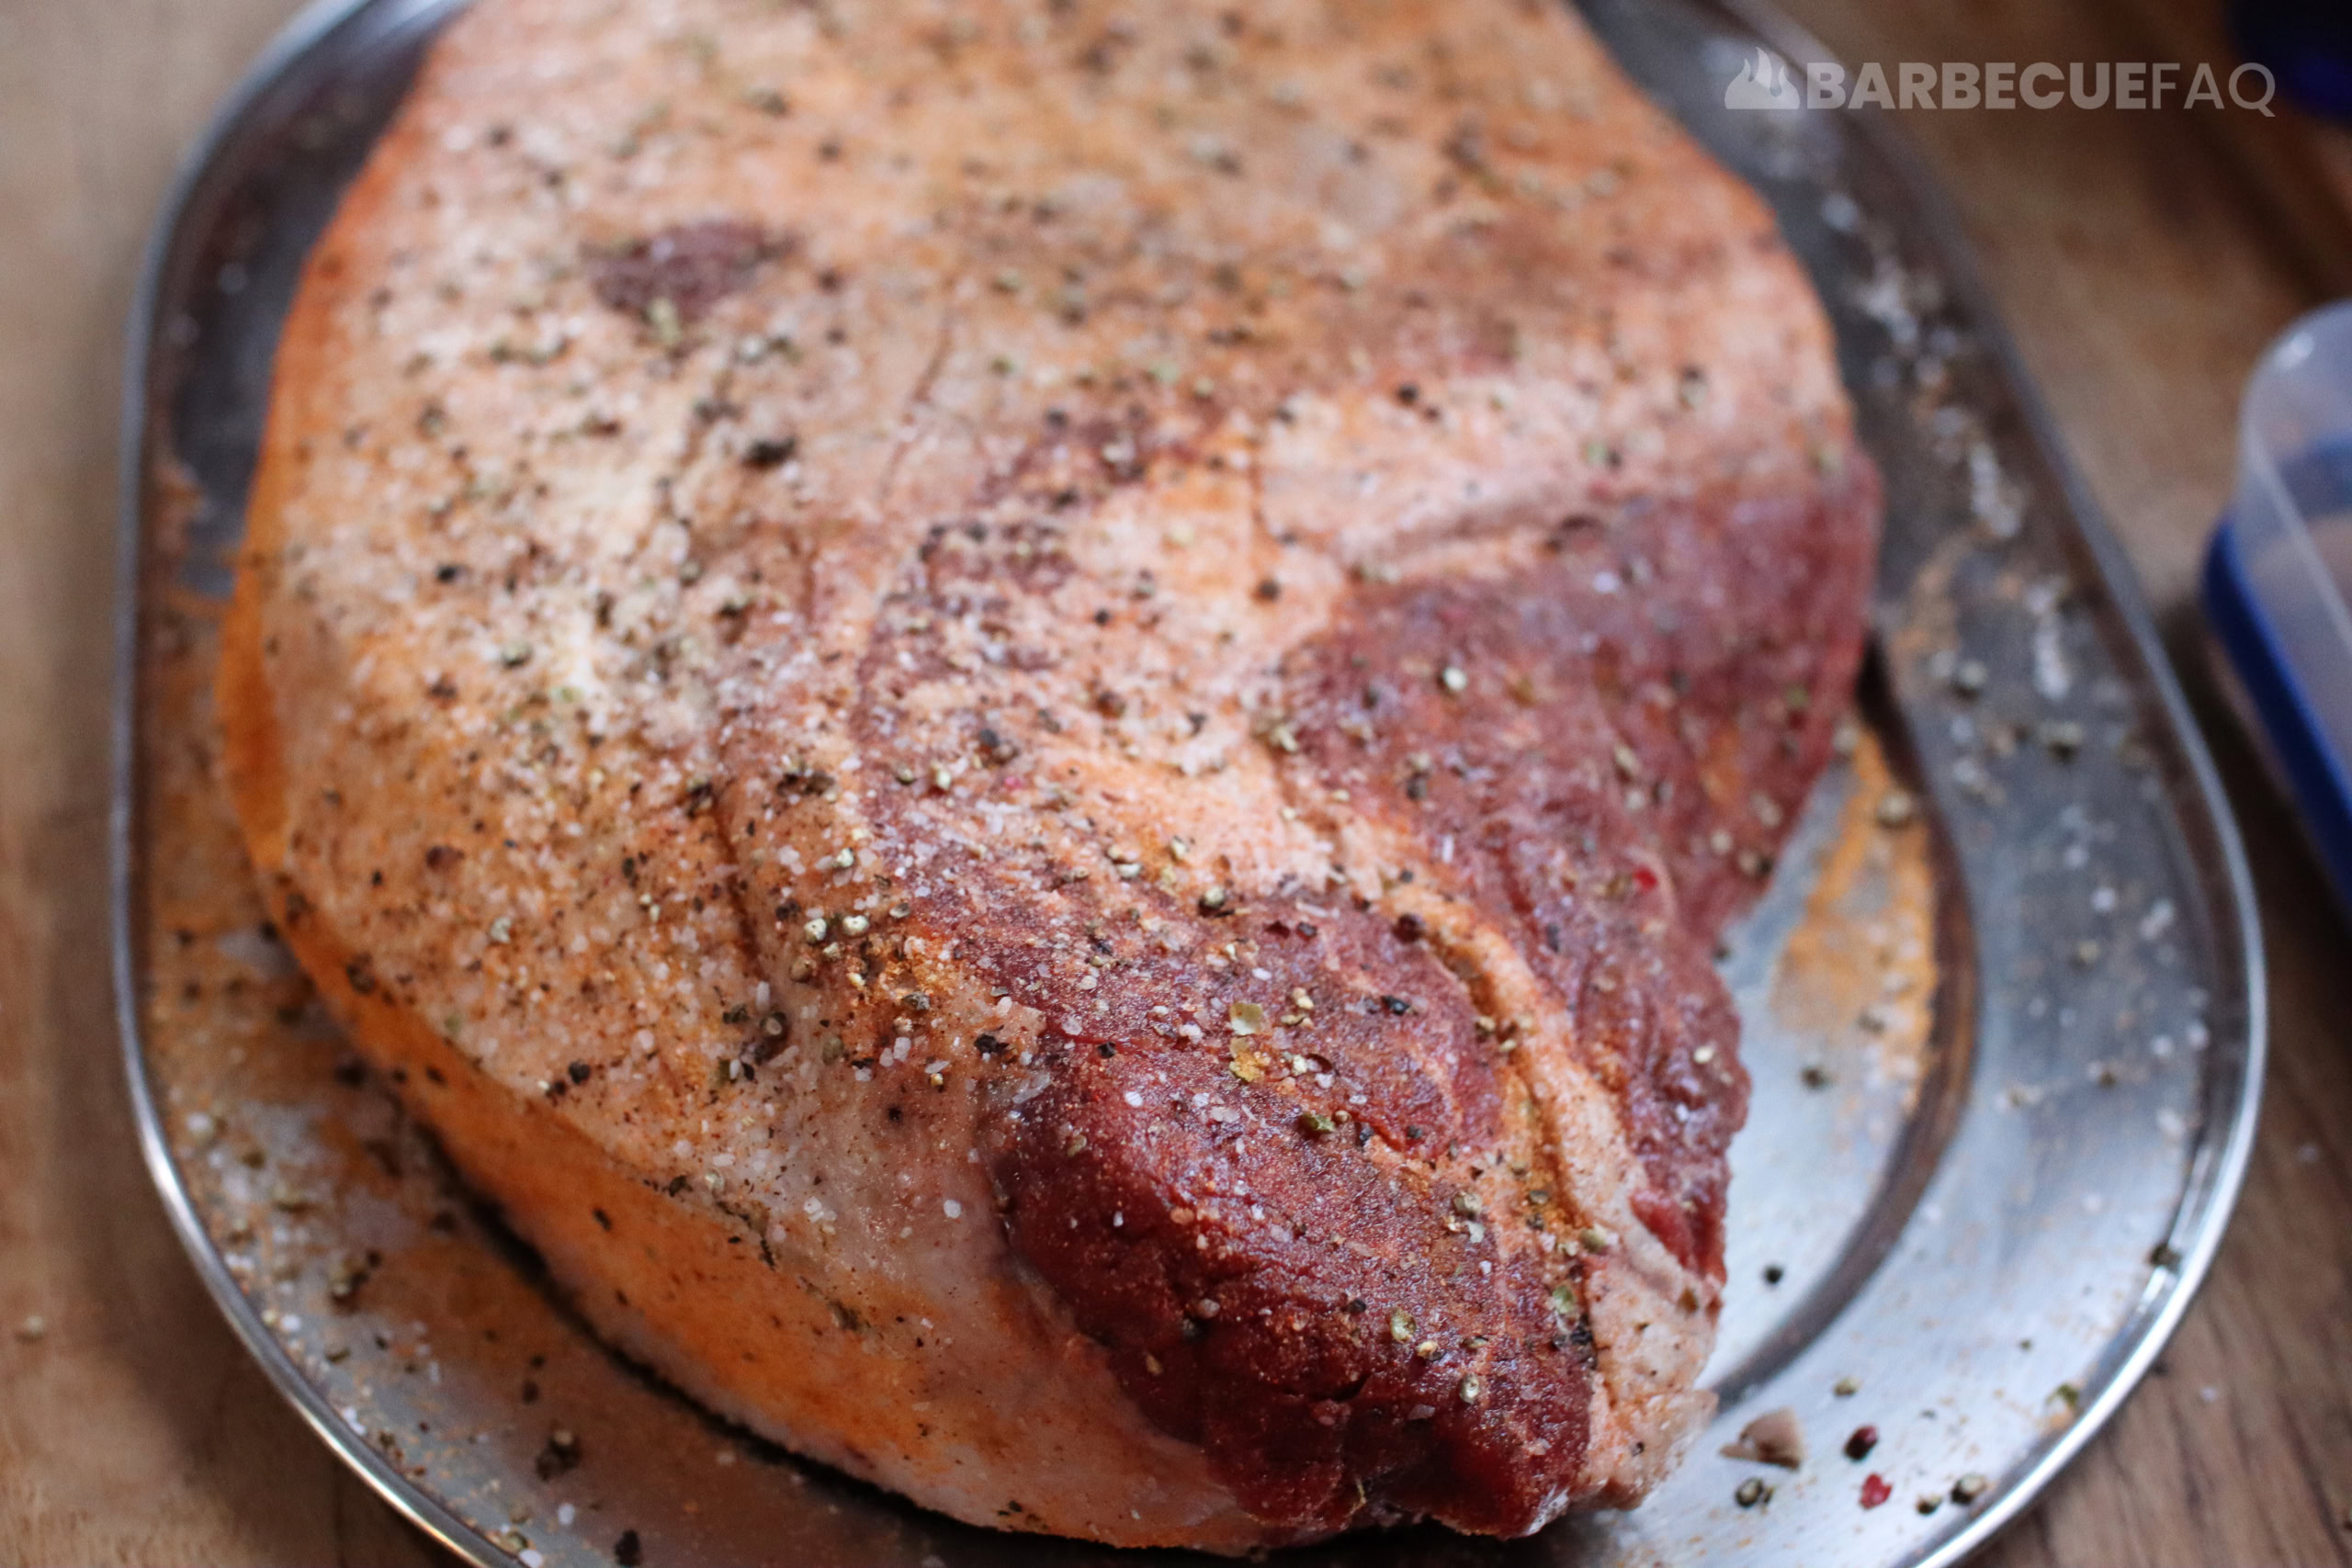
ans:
(2224, 1178)
(305, 30)
(2215, 1176)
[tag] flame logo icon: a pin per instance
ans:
(1763, 84)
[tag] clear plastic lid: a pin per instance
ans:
(2292, 518)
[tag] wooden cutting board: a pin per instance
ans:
(2142, 259)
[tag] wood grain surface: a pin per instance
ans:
(2142, 260)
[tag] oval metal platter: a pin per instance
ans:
(2003, 1002)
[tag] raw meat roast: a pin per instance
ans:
(1031, 719)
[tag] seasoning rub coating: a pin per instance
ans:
(1030, 720)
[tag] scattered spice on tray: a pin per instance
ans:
(1774, 1437)
(560, 1456)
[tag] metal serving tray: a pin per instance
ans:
(2003, 1002)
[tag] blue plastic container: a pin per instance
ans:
(2278, 577)
(2307, 44)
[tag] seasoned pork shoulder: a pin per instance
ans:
(1030, 719)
